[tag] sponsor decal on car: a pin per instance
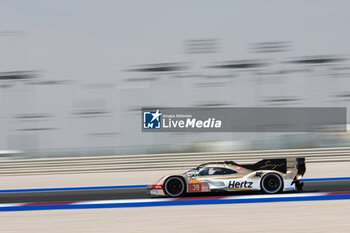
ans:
(205, 188)
(237, 185)
(195, 181)
(195, 186)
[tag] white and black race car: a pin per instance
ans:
(268, 176)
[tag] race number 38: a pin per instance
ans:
(196, 187)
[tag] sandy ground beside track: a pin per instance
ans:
(317, 216)
(319, 170)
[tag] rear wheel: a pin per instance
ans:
(271, 183)
(174, 186)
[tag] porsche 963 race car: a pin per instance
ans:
(268, 176)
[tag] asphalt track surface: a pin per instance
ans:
(139, 193)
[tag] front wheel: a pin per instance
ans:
(271, 183)
(174, 186)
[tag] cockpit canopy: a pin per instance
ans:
(210, 170)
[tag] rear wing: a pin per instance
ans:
(281, 165)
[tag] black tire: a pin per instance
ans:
(174, 186)
(271, 183)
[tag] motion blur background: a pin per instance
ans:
(75, 74)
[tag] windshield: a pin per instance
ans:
(209, 171)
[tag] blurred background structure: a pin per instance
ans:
(75, 75)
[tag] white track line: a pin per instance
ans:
(195, 199)
(122, 201)
(11, 204)
(261, 196)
